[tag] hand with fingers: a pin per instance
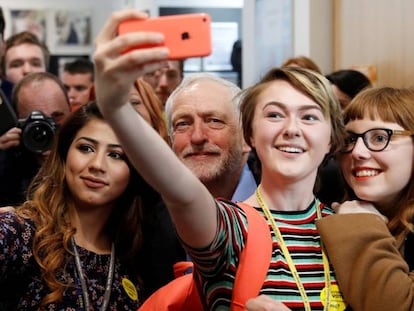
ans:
(10, 139)
(355, 207)
(120, 60)
(6, 209)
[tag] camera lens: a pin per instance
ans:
(38, 136)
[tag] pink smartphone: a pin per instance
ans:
(186, 35)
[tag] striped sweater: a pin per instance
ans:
(217, 264)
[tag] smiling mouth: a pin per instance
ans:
(290, 149)
(202, 154)
(366, 173)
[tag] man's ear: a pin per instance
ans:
(246, 147)
(252, 142)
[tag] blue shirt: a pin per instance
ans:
(246, 186)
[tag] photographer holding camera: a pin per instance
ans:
(41, 104)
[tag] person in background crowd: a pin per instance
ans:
(42, 92)
(291, 118)
(152, 78)
(2, 27)
(303, 62)
(75, 242)
(165, 80)
(143, 98)
(236, 60)
(371, 239)
(5, 86)
(77, 78)
(347, 83)
(24, 54)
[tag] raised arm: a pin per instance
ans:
(190, 204)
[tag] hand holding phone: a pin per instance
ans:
(186, 35)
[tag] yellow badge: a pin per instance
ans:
(336, 301)
(130, 289)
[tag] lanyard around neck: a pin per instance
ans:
(289, 260)
(109, 280)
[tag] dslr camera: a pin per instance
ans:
(38, 130)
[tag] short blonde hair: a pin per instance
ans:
(308, 82)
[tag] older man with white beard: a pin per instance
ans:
(203, 122)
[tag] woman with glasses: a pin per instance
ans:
(372, 248)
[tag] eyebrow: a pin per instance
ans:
(95, 142)
(284, 106)
(22, 58)
(202, 114)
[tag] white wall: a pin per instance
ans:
(101, 9)
(313, 31)
(153, 5)
(200, 3)
(248, 56)
(312, 36)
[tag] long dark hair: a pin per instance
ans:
(49, 202)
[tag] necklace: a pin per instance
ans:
(289, 260)
(107, 295)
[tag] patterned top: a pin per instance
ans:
(21, 285)
(217, 264)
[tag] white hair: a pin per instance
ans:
(233, 89)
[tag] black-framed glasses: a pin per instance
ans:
(376, 139)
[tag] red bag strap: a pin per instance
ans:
(182, 268)
(254, 259)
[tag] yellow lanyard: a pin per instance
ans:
(289, 260)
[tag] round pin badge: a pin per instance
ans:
(130, 289)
